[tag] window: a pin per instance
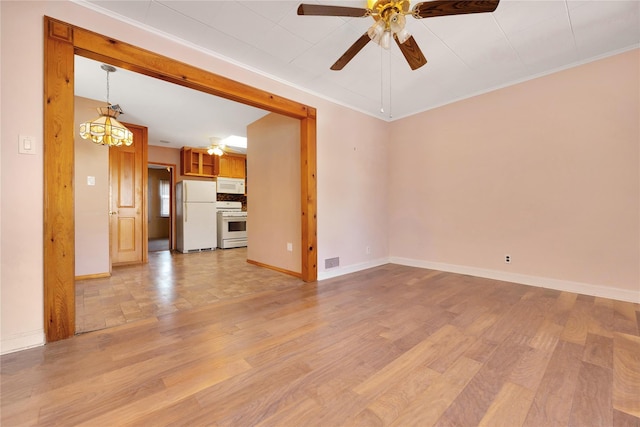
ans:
(164, 198)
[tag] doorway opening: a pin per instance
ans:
(161, 182)
(62, 42)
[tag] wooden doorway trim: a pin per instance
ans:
(61, 42)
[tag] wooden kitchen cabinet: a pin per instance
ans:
(197, 162)
(233, 166)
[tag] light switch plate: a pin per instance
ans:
(27, 144)
(91, 180)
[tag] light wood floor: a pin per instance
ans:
(170, 282)
(158, 244)
(391, 345)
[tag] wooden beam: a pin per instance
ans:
(59, 246)
(124, 55)
(308, 197)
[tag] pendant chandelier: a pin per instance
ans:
(106, 130)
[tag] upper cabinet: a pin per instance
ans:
(233, 166)
(197, 162)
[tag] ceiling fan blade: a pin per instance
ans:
(430, 9)
(324, 10)
(351, 52)
(411, 52)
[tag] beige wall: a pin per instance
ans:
(165, 155)
(353, 191)
(91, 201)
(273, 192)
(546, 171)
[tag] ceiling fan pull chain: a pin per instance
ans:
(381, 83)
(390, 79)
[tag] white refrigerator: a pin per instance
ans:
(196, 216)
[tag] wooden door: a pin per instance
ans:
(128, 200)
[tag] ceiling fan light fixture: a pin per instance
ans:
(403, 35)
(397, 23)
(376, 31)
(385, 40)
(215, 150)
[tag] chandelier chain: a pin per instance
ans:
(108, 88)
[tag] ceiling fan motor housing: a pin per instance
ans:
(389, 10)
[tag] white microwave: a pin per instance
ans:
(230, 185)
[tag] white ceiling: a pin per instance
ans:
(467, 55)
(176, 116)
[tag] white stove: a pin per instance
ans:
(232, 225)
(232, 213)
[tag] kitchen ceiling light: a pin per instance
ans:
(216, 147)
(106, 129)
(215, 150)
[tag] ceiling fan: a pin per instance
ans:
(389, 16)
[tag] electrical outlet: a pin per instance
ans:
(332, 262)
(290, 247)
(367, 250)
(507, 259)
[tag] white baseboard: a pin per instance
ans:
(542, 282)
(22, 341)
(339, 271)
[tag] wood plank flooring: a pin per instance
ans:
(389, 346)
(170, 282)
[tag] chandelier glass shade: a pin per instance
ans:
(106, 129)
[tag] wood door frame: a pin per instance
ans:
(172, 208)
(61, 42)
